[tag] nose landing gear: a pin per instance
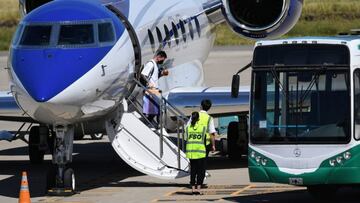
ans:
(61, 179)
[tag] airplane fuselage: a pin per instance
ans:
(62, 81)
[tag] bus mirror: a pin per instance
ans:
(235, 86)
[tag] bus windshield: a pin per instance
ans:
(301, 105)
(301, 94)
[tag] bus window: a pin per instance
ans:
(291, 106)
(357, 103)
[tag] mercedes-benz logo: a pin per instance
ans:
(297, 152)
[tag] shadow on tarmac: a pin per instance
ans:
(344, 195)
(95, 165)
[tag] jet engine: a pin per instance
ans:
(258, 19)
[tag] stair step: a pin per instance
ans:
(139, 146)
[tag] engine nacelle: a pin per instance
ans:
(259, 19)
(26, 6)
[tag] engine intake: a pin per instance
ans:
(262, 18)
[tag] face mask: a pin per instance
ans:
(160, 62)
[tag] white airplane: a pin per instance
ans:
(72, 65)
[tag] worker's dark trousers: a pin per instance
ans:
(197, 171)
(208, 149)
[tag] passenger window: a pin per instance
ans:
(198, 28)
(152, 40)
(191, 29)
(183, 31)
(76, 34)
(176, 33)
(106, 32)
(36, 35)
(158, 32)
(167, 35)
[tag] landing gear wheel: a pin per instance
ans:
(60, 187)
(322, 191)
(224, 146)
(35, 154)
(69, 179)
(97, 136)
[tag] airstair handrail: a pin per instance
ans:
(164, 107)
(173, 109)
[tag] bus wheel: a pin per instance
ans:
(322, 191)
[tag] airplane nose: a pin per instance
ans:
(45, 73)
(51, 52)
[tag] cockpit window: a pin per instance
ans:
(36, 35)
(76, 34)
(106, 32)
(17, 34)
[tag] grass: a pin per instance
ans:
(319, 17)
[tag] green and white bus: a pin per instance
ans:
(305, 113)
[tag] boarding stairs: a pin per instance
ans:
(146, 147)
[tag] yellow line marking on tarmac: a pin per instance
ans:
(174, 191)
(241, 190)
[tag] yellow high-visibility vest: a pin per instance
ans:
(204, 119)
(195, 141)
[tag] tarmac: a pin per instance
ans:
(103, 177)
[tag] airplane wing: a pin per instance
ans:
(188, 99)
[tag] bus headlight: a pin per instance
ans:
(252, 154)
(263, 162)
(332, 162)
(258, 159)
(347, 155)
(339, 159)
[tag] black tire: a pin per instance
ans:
(78, 136)
(224, 146)
(97, 136)
(233, 134)
(69, 179)
(324, 192)
(51, 178)
(36, 156)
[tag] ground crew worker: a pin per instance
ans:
(209, 122)
(196, 152)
